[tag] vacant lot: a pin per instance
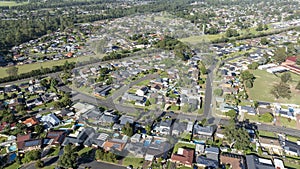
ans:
(47, 64)
(263, 84)
(201, 39)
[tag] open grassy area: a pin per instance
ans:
(200, 39)
(264, 82)
(287, 123)
(84, 150)
(267, 134)
(183, 145)
(253, 118)
(292, 138)
(54, 151)
(143, 83)
(11, 3)
(135, 162)
(49, 64)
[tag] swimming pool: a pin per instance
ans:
(157, 141)
(12, 148)
(147, 143)
(79, 125)
(116, 135)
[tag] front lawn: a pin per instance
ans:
(135, 162)
(84, 150)
(267, 134)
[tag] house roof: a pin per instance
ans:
(269, 140)
(291, 146)
(25, 137)
(236, 163)
(291, 58)
(31, 121)
(256, 162)
(184, 156)
(57, 136)
(207, 162)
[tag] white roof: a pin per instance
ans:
(278, 164)
(265, 161)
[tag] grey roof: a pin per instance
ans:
(166, 123)
(32, 143)
(82, 136)
(207, 162)
(254, 163)
(124, 119)
(249, 109)
(208, 130)
(291, 146)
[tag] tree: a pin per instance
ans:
(248, 84)
(260, 27)
(12, 71)
(31, 156)
(148, 129)
(237, 136)
(69, 158)
(281, 90)
(253, 66)
(99, 154)
(147, 103)
(218, 92)
(39, 164)
(38, 129)
(127, 129)
(285, 77)
(231, 113)
(280, 55)
(264, 41)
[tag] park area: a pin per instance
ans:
(263, 84)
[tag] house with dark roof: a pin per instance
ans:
(248, 109)
(202, 132)
(30, 145)
(212, 153)
(255, 162)
(184, 157)
(202, 161)
(291, 148)
(95, 140)
(164, 126)
(79, 138)
(102, 91)
(57, 137)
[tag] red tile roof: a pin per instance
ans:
(185, 158)
(292, 59)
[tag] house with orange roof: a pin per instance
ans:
(114, 144)
(184, 157)
(30, 121)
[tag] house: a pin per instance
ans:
(248, 109)
(178, 128)
(102, 91)
(50, 120)
(21, 139)
(184, 157)
(278, 163)
(30, 121)
(136, 138)
(56, 136)
(235, 161)
(204, 162)
(256, 162)
(30, 145)
(133, 97)
(271, 144)
(159, 147)
(164, 126)
(93, 114)
(114, 144)
(136, 149)
(212, 153)
(107, 119)
(96, 140)
(34, 102)
(291, 148)
(142, 91)
(203, 132)
(126, 119)
(78, 137)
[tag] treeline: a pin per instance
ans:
(39, 72)
(180, 49)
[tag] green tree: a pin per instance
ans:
(99, 154)
(39, 164)
(69, 158)
(12, 71)
(280, 55)
(286, 77)
(253, 66)
(231, 113)
(236, 136)
(31, 156)
(127, 129)
(148, 129)
(264, 41)
(39, 129)
(281, 90)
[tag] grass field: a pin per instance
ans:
(183, 145)
(267, 134)
(11, 3)
(135, 162)
(200, 39)
(264, 82)
(29, 67)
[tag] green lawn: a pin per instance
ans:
(13, 166)
(84, 150)
(49, 64)
(54, 151)
(11, 3)
(292, 138)
(263, 84)
(135, 162)
(267, 134)
(183, 145)
(200, 39)
(254, 118)
(288, 123)
(143, 83)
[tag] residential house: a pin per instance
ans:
(248, 109)
(256, 162)
(114, 144)
(235, 161)
(184, 157)
(164, 126)
(139, 100)
(126, 119)
(271, 144)
(212, 153)
(107, 119)
(291, 148)
(57, 137)
(204, 162)
(178, 128)
(30, 121)
(30, 145)
(136, 149)
(203, 132)
(142, 91)
(102, 91)
(78, 137)
(50, 120)
(21, 139)
(159, 147)
(96, 140)
(136, 138)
